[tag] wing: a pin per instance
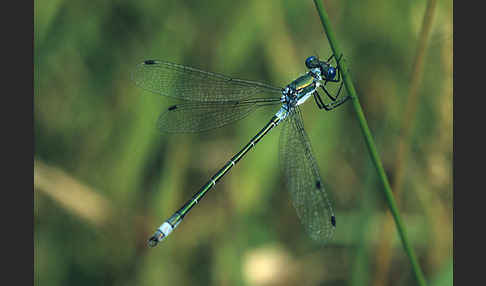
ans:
(203, 116)
(303, 180)
(187, 83)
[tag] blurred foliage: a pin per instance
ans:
(105, 177)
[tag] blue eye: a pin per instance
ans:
(311, 62)
(331, 73)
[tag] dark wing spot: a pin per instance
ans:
(318, 185)
(333, 221)
(149, 62)
(172, 107)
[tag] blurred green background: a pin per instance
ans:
(106, 178)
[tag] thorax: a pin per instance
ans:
(299, 90)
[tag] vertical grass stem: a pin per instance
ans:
(370, 144)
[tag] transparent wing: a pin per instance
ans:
(203, 116)
(187, 83)
(303, 180)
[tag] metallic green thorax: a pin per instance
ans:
(302, 82)
(303, 87)
(177, 217)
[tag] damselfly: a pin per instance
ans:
(213, 100)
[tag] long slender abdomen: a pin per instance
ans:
(169, 225)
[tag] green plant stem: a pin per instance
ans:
(370, 143)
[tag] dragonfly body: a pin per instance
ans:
(213, 100)
(166, 228)
(298, 91)
(305, 83)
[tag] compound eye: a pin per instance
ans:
(331, 73)
(311, 62)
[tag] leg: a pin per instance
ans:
(333, 98)
(332, 105)
(329, 106)
(318, 100)
(333, 56)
